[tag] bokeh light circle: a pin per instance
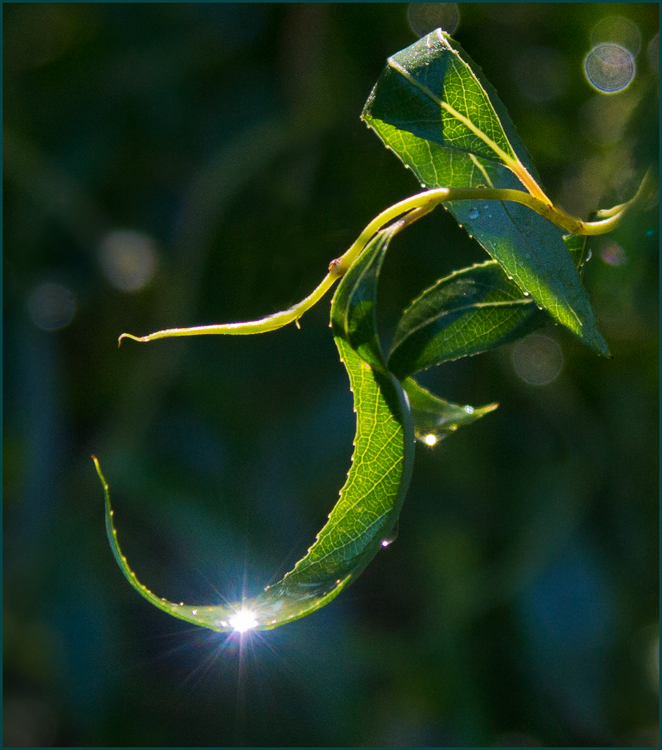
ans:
(612, 253)
(128, 259)
(537, 359)
(426, 17)
(51, 306)
(617, 30)
(609, 68)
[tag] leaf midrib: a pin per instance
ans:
(465, 308)
(505, 158)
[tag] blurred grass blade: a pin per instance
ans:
(434, 417)
(434, 109)
(471, 311)
(370, 501)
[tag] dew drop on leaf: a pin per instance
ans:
(473, 213)
(391, 536)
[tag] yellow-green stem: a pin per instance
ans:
(415, 206)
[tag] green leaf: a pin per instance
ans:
(370, 501)
(469, 312)
(434, 417)
(577, 247)
(434, 109)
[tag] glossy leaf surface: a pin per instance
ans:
(434, 109)
(370, 501)
(469, 312)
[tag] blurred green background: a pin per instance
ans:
(180, 164)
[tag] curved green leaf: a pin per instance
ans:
(434, 417)
(434, 109)
(469, 312)
(370, 501)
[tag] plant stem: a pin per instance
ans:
(414, 207)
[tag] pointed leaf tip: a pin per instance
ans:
(433, 107)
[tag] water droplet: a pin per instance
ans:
(486, 206)
(589, 255)
(392, 536)
(526, 294)
(510, 277)
(469, 409)
(473, 213)
(194, 611)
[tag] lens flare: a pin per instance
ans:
(244, 620)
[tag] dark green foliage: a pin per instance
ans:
(522, 593)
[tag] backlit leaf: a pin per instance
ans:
(434, 109)
(434, 417)
(370, 501)
(469, 312)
